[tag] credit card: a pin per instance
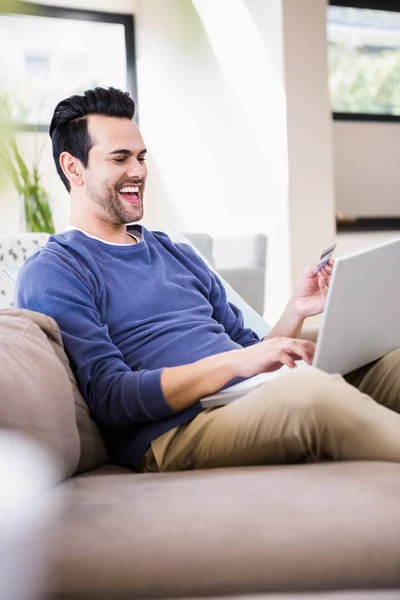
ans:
(325, 258)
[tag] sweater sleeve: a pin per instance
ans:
(116, 395)
(224, 312)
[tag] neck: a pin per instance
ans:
(96, 226)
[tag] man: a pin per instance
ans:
(149, 331)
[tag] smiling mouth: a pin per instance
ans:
(131, 194)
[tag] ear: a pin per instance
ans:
(72, 169)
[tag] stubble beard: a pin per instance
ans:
(111, 207)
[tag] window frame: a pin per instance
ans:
(387, 6)
(58, 12)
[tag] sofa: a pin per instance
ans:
(325, 531)
(14, 250)
(240, 260)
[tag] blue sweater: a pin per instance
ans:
(125, 313)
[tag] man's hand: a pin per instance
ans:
(311, 290)
(185, 385)
(271, 355)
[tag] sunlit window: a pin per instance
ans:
(55, 53)
(364, 61)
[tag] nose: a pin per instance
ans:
(136, 169)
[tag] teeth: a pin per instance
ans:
(129, 190)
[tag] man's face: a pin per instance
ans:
(116, 173)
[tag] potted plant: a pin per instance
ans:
(36, 216)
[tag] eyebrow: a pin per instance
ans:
(127, 152)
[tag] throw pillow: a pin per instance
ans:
(35, 395)
(93, 452)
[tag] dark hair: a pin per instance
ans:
(68, 127)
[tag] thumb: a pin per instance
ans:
(322, 284)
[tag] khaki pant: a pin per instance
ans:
(301, 416)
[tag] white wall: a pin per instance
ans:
(367, 168)
(311, 188)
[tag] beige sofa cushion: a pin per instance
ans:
(93, 452)
(35, 395)
(328, 526)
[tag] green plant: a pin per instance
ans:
(27, 182)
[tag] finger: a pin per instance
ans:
(296, 357)
(308, 346)
(306, 352)
(323, 286)
(299, 350)
(291, 343)
(327, 277)
(286, 359)
(303, 355)
(304, 345)
(326, 269)
(288, 341)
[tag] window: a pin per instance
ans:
(58, 52)
(364, 61)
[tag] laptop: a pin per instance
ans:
(361, 320)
